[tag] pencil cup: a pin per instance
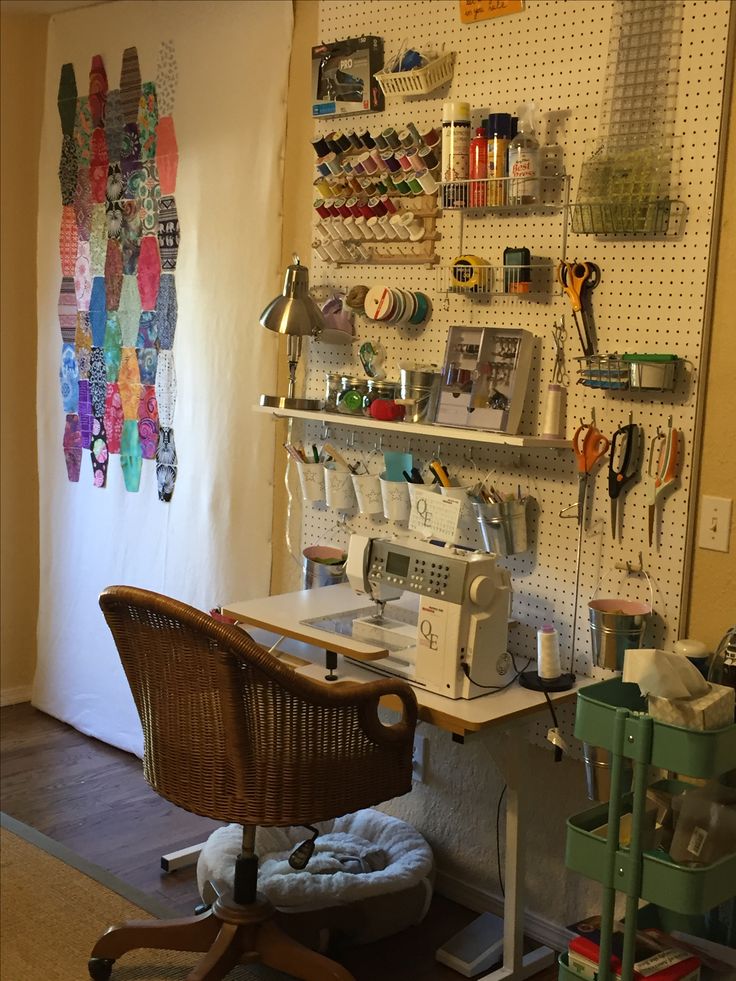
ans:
(339, 489)
(503, 526)
(312, 479)
(367, 489)
(395, 495)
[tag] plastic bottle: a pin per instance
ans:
(497, 130)
(524, 160)
(478, 170)
(455, 153)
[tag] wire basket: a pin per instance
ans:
(608, 371)
(418, 81)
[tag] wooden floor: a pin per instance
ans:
(93, 799)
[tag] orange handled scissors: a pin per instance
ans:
(573, 278)
(665, 472)
(590, 446)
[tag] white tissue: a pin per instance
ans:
(663, 674)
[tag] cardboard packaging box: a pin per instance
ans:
(665, 965)
(343, 77)
(714, 710)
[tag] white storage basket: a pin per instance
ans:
(418, 81)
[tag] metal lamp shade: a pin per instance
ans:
(295, 315)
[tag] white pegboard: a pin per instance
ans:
(651, 297)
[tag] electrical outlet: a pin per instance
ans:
(715, 523)
(419, 758)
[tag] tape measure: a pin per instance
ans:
(468, 273)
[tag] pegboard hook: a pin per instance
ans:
(325, 434)
(378, 444)
(351, 439)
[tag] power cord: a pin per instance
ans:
(495, 688)
(498, 840)
(558, 749)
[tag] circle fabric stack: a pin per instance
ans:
(392, 305)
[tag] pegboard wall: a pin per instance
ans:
(651, 298)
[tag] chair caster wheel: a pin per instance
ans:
(202, 908)
(100, 968)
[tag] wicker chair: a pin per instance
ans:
(234, 734)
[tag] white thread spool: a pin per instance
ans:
(554, 409)
(548, 653)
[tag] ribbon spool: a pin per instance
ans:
(467, 272)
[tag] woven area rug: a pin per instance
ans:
(55, 905)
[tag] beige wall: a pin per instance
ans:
(712, 599)
(298, 166)
(21, 88)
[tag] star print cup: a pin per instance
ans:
(395, 495)
(339, 489)
(367, 489)
(312, 480)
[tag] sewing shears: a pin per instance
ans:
(666, 447)
(623, 465)
(574, 277)
(590, 445)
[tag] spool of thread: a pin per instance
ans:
(548, 653)
(553, 421)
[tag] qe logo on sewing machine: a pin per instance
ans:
(430, 639)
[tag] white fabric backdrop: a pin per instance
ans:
(212, 542)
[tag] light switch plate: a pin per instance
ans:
(715, 523)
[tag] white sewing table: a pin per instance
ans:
(302, 646)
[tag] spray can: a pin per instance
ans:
(455, 153)
(497, 131)
(478, 171)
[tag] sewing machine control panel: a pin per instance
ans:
(437, 575)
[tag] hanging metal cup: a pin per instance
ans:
(503, 526)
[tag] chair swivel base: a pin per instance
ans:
(228, 935)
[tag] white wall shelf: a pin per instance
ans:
(440, 433)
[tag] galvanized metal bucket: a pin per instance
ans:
(318, 572)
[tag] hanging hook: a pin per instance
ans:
(325, 434)
(378, 444)
(631, 571)
(351, 439)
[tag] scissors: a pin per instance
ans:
(573, 278)
(559, 371)
(667, 446)
(624, 452)
(590, 445)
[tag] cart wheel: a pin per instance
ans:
(100, 968)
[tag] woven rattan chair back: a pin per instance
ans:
(233, 734)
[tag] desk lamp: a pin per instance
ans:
(294, 314)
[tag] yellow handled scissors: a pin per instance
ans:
(573, 277)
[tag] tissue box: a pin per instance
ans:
(713, 710)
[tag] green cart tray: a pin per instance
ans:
(681, 888)
(690, 751)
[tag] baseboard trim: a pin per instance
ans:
(13, 696)
(537, 927)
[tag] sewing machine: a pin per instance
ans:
(457, 630)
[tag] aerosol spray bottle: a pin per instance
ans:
(455, 153)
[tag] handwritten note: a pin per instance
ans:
(474, 10)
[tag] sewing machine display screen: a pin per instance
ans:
(396, 564)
